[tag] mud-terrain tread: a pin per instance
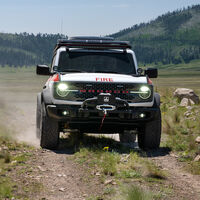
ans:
(149, 137)
(127, 137)
(49, 131)
(38, 115)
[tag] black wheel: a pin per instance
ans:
(149, 136)
(38, 115)
(49, 130)
(127, 136)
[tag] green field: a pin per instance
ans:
(18, 90)
(183, 80)
(24, 80)
(181, 75)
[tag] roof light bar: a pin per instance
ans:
(91, 38)
(93, 43)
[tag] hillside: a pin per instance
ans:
(26, 49)
(171, 38)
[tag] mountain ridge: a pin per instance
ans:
(170, 38)
(173, 37)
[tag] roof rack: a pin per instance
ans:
(91, 38)
(92, 43)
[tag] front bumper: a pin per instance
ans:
(76, 117)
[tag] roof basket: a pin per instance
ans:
(84, 42)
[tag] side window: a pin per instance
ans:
(53, 61)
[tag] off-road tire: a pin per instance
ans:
(38, 115)
(49, 131)
(127, 137)
(149, 136)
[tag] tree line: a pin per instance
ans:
(26, 49)
(174, 39)
(171, 38)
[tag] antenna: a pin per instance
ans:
(61, 27)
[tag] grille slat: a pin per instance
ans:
(106, 88)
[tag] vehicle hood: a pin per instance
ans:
(102, 77)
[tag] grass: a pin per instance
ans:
(116, 162)
(109, 163)
(153, 171)
(6, 186)
(123, 165)
(192, 67)
(136, 193)
(182, 127)
(13, 168)
(105, 161)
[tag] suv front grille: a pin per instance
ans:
(91, 90)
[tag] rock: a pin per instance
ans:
(41, 169)
(98, 174)
(197, 140)
(184, 102)
(189, 108)
(172, 107)
(182, 93)
(187, 114)
(5, 148)
(61, 175)
(62, 189)
(173, 155)
(191, 102)
(197, 158)
(108, 181)
(13, 162)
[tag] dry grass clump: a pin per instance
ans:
(154, 171)
(182, 126)
(137, 193)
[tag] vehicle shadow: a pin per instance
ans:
(74, 142)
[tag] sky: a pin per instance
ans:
(81, 17)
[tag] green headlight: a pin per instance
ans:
(62, 89)
(144, 92)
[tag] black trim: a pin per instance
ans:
(93, 44)
(78, 114)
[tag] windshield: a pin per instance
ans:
(105, 62)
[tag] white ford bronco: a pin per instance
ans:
(95, 86)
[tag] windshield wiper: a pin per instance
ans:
(106, 72)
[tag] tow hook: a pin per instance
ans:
(105, 107)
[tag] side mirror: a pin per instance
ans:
(151, 72)
(139, 71)
(43, 70)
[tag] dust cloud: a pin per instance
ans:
(19, 117)
(18, 94)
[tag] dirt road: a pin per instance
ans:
(61, 177)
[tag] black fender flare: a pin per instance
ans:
(39, 98)
(46, 96)
(156, 100)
